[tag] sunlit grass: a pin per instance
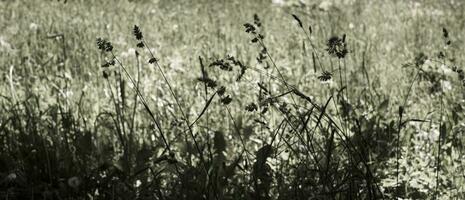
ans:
(51, 68)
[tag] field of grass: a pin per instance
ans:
(232, 99)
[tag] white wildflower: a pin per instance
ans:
(176, 61)
(351, 26)
(433, 135)
(446, 70)
(68, 94)
(11, 177)
(33, 27)
(74, 182)
(278, 2)
(427, 66)
(325, 5)
(446, 85)
(5, 46)
(138, 183)
(130, 52)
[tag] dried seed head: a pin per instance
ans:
(221, 90)
(401, 110)
(325, 76)
(104, 45)
(256, 20)
(101, 43)
(420, 59)
(337, 47)
(106, 74)
(223, 65)
(226, 100)
(112, 62)
(153, 60)
(251, 107)
(441, 55)
(298, 20)
(137, 33)
(249, 28)
(237, 63)
(207, 81)
(262, 55)
(445, 33)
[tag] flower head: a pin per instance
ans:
(104, 45)
(337, 46)
(137, 33)
(325, 76)
(33, 27)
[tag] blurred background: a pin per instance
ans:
(67, 131)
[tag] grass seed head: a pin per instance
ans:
(249, 28)
(420, 59)
(153, 60)
(208, 81)
(256, 20)
(106, 74)
(226, 100)
(298, 20)
(251, 107)
(221, 90)
(104, 45)
(137, 33)
(445, 33)
(325, 76)
(337, 47)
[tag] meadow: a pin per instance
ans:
(232, 99)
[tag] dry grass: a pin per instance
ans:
(232, 100)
